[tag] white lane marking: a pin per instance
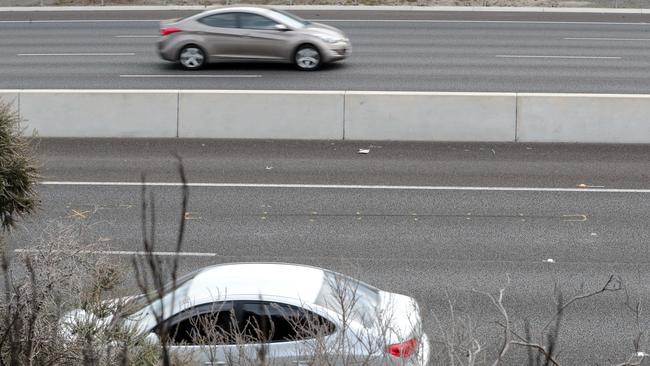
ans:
(189, 76)
(346, 186)
(126, 252)
(345, 20)
(135, 36)
(81, 21)
(472, 21)
(562, 57)
(605, 39)
(78, 54)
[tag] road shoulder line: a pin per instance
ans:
(347, 186)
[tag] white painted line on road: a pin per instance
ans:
(605, 39)
(346, 186)
(562, 57)
(78, 54)
(134, 36)
(81, 21)
(190, 76)
(471, 21)
(125, 252)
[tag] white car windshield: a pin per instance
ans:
(290, 20)
(339, 291)
(138, 303)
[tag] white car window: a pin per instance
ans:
(339, 291)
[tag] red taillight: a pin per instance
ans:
(168, 31)
(404, 349)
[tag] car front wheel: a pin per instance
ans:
(307, 58)
(192, 57)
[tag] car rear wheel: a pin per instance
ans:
(192, 57)
(307, 58)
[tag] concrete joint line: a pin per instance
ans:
(18, 97)
(178, 113)
(516, 117)
(345, 97)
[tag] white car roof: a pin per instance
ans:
(229, 9)
(230, 281)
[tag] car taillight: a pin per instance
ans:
(168, 31)
(404, 349)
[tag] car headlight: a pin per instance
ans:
(328, 38)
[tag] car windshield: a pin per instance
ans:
(339, 291)
(291, 20)
(136, 304)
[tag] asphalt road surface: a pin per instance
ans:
(479, 213)
(405, 51)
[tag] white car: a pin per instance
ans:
(285, 314)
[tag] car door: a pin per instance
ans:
(262, 40)
(285, 334)
(222, 35)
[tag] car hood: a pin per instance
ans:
(71, 320)
(325, 29)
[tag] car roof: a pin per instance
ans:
(228, 9)
(228, 281)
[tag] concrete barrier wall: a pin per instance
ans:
(84, 113)
(430, 116)
(261, 114)
(335, 115)
(595, 118)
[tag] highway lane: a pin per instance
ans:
(337, 162)
(408, 51)
(421, 242)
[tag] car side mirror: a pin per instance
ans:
(281, 27)
(152, 339)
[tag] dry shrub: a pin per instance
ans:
(17, 170)
(56, 274)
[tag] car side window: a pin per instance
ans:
(255, 21)
(267, 322)
(224, 20)
(202, 325)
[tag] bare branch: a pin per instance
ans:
(613, 284)
(539, 348)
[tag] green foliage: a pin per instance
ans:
(17, 170)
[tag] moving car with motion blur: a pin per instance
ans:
(285, 313)
(259, 34)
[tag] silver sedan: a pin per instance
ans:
(236, 34)
(286, 314)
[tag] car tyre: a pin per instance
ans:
(307, 58)
(192, 57)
